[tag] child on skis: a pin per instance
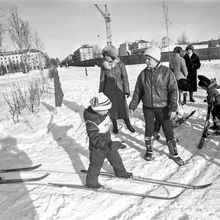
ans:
(213, 99)
(100, 144)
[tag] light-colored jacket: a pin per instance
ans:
(178, 66)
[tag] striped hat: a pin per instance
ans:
(100, 102)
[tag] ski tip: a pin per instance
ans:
(203, 186)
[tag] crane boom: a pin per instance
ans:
(107, 18)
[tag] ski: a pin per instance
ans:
(205, 129)
(182, 120)
(114, 191)
(155, 181)
(21, 180)
(20, 169)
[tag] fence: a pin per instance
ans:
(210, 53)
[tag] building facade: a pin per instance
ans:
(83, 53)
(34, 59)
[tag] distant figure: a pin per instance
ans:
(100, 144)
(53, 74)
(192, 64)
(156, 86)
(114, 84)
(178, 66)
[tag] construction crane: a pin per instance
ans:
(107, 18)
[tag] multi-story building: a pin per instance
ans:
(137, 47)
(83, 53)
(35, 59)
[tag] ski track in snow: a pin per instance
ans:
(59, 142)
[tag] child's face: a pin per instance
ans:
(151, 63)
(108, 58)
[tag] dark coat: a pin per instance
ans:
(114, 84)
(53, 73)
(96, 139)
(192, 64)
(156, 89)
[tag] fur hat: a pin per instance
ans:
(100, 102)
(190, 47)
(110, 50)
(204, 81)
(153, 52)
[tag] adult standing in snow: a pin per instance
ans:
(114, 84)
(100, 144)
(178, 66)
(53, 74)
(192, 64)
(156, 86)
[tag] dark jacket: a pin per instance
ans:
(213, 97)
(192, 64)
(114, 84)
(93, 120)
(156, 89)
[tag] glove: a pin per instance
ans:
(172, 115)
(115, 145)
(127, 95)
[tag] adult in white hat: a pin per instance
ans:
(156, 86)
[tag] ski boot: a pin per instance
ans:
(149, 151)
(173, 153)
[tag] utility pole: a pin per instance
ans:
(167, 21)
(107, 18)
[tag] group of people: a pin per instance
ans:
(158, 87)
(162, 90)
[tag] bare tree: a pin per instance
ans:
(38, 45)
(183, 39)
(20, 33)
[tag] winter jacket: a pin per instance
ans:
(114, 84)
(192, 64)
(213, 97)
(156, 89)
(178, 66)
(98, 129)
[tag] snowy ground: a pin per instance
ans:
(63, 152)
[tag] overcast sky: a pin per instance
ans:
(65, 25)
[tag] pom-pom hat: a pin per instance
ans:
(100, 102)
(153, 52)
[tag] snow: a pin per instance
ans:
(59, 142)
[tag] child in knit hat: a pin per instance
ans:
(100, 144)
(213, 99)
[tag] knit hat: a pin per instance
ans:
(190, 47)
(204, 81)
(153, 52)
(110, 50)
(100, 102)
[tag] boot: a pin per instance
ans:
(173, 152)
(184, 98)
(149, 151)
(115, 126)
(191, 99)
(129, 126)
